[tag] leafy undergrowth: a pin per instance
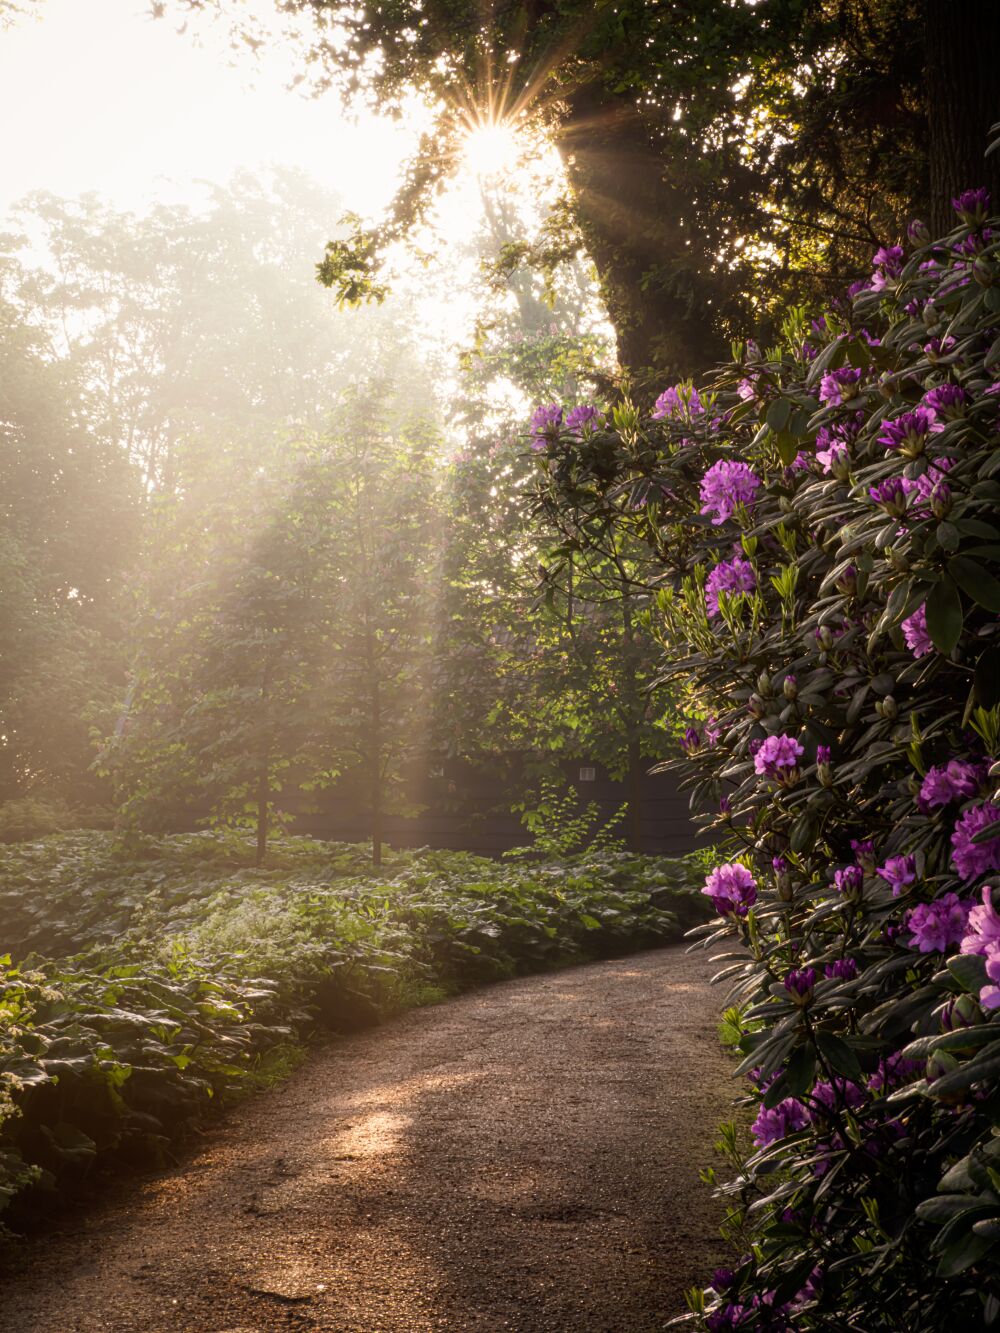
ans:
(150, 979)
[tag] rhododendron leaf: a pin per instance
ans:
(978, 582)
(948, 537)
(777, 414)
(944, 615)
(969, 970)
(839, 1056)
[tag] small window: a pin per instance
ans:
(437, 771)
(588, 774)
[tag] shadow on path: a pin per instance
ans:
(523, 1158)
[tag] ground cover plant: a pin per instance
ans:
(147, 979)
(824, 573)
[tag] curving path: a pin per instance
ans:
(523, 1158)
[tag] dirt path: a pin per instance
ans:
(522, 1158)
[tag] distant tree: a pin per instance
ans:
(68, 529)
(382, 578)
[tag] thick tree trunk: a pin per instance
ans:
(654, 279)
(962, 43)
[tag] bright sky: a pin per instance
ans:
(96, 95)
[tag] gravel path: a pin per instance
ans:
(522, 1158)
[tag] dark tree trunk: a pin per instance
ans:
(654, 280)
(962, 44)
(636, 773)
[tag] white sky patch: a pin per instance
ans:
(96, 95)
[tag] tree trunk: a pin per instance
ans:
(376, 773)
(263, 800)
(653, 278)
(636, 773)
(962, 53)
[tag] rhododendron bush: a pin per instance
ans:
(823, 530)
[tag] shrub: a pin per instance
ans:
(823, 529)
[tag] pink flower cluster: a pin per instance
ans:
(735, 575)
(972, 859)
(679, 403)
(778, 758)
(725, 486)
(954, 781)
(983, 938)
(732, 888)
(938, 925)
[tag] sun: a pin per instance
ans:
(490, 148)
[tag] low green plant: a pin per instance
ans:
(149, 979)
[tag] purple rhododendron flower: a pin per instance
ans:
(899, 872)
(728, 1317)
(948, 400)
(546, 422)
(840, 386)
(972, 206)
(712, 732)
(724, 486)
(827, 1097)
(849, 880)
(822, 754)
(914, 627)
(732, 576)
(984, 939)
(776, 1122)
(800, 982)
(778, 757)
(972, 859)
(864, 850)
(938, 925)
(841, 969)
(691, 740)
(909, 431)
(680, 403)
(893, 1071)
(888, 262)
(953, 781)
(931, 489)
(939, 347)
(732, 888)
(891, 495)
(582, 420)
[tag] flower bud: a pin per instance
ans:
(897, 559)
(961, 1012)
(918, 232)
(764, 684)
(848, 582)
(824, 637)
(756, 705)
(799, 985)
(889, 709)
(789, 687)
(941, 500)
(929, 314)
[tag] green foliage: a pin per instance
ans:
(562, 825)
(837, 498)
(154, 977)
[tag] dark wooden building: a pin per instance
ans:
(466, 807)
